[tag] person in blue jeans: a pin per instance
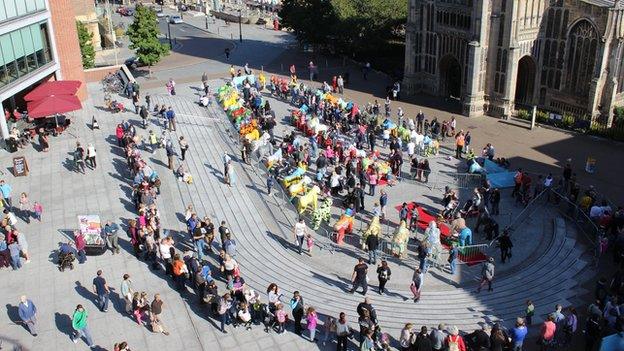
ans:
(79, 323)
(518, 334)
(452, 260)
(5, 191)
(225, 304)
(100, 288)
(14, 250)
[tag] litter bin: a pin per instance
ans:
(11, 145)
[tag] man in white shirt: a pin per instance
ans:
(300, 233)
(165, 253)
(411, 147)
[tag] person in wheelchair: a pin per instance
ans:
(66, 256)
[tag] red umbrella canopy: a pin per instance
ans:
(59, 87)
(52, 105)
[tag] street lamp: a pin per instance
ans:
(169, 31)
(240, 26)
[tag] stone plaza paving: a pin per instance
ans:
(262, 227)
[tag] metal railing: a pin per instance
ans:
(568, 209)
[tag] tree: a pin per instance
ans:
(85, 38)
(143, 34)
(310, 29)
(346, 25)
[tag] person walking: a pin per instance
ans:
(359, 277)
(372, 245)
(383, 202)
(14, 252)
(91, 156)
(459, 144)
(505, 244)
(81, 328)
(28, 314)
(343, 330)
(518, 334)
(297, 308)
(270, 183)
(487, 275)
(311, 322)
(110, 230)
(127, 291)
(225, 304)
(452, 259)
(100, 288)
(5, 190)
(230, 176)
(79, 155)
(416, 284)
(184, 146)
(300, 233)
(170, 156)
(340, 83)
(547, 333)
(383, 275)
(155, 312)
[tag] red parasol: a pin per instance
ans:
(60, 87)
(52, 105)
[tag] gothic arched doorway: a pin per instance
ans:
(525, 83)
(450, 77)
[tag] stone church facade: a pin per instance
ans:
(496, 56)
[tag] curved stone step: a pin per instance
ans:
(269, 261)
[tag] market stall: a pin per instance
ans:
(91, 228)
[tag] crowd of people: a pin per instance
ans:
(347, 161)
(347, 125)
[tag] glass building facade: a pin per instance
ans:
(10, 9)
(23, 51)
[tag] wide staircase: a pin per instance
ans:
(265, 249)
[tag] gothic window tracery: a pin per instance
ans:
(582, 47)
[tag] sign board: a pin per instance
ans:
(91, 227)
(20, 166)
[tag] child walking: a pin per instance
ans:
(37, 210)
(309, 243)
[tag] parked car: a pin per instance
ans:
(125, 11)
(160, 14)
(175, 20)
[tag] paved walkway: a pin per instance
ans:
(261, 227)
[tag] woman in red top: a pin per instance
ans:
(119, 132)
(454, 342)
(547, 332)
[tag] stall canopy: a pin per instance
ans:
(52, 105)
(60, 87)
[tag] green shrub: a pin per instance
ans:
(542, 117)
(524, 114)
(567, 120)
(618, 113)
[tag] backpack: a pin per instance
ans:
(453, 344)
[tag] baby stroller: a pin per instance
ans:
(66, 260)
(268, 319)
